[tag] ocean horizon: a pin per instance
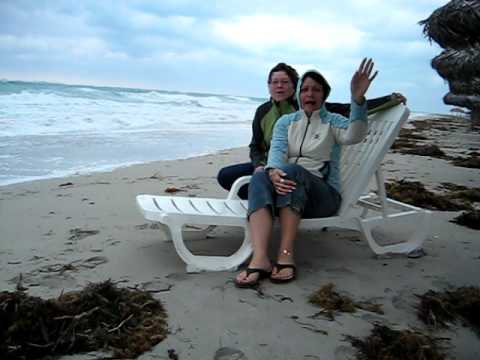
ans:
(51, 130)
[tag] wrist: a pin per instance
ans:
(359, 99)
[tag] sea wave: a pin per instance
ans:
(48, 129)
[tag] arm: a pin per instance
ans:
(279, 144)
(277, 155)
(258, 152)
(354, 130)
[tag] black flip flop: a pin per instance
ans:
(280, 267)
(262, 274)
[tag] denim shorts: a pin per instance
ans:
(313, 197)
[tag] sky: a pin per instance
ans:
(221, 47)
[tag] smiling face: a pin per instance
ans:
(311, 95)
(280, 86)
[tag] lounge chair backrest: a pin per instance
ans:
(359, 162)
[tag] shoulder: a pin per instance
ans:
(287, 119)
(263, 109)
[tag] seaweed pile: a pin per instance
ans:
(438, 309)
(384, 343)
(470, 162)
(331, 302)
(101, 317)
(414, 193)
(469, 219)
(413, 142)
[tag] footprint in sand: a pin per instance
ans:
(227, 353)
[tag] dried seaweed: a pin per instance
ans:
(471, 195)
(331, 302)
(453, 187)
(426, 150)
(439, 309)
(469, 219)
(471, 162)
(100, 317)
(384, 343)
(414, 193)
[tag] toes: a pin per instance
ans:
(282, 274)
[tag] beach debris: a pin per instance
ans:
(172, 354)
(332, 302)
(470, 162)
(469, 219)
(66, 184)
(431, 150)
(79, 234)
(100, 317)
(385, 343)
(172, 189)
(152, 226)
(415, 193)
(308, 326)
(439, 309)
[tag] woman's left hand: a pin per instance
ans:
(361, 80)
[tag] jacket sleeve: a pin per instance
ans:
(258, 152)
(279, 145)
(352, 130)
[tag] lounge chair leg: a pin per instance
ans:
(198, 263)
(420, 220)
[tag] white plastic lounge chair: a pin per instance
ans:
(359, 163)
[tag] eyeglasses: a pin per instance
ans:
(280, 82)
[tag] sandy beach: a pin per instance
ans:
(91, 223)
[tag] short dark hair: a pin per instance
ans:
(290, 71)
(317, 77)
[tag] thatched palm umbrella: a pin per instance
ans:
(456, 27)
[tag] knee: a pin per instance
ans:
(259, 177)
(221, 177)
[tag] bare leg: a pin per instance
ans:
(289, 221)
(261, 224)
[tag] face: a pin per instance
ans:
(311, 95)
(280, 86)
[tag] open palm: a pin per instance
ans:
(362, 79)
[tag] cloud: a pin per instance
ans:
(36, 46)
(261, 33)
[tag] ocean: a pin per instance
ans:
(53, 130)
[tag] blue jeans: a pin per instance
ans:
(227, 176)
(312, 197)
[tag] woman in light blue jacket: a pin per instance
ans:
(302, 173)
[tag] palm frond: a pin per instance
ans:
(454, 25)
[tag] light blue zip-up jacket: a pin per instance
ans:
(315, 142)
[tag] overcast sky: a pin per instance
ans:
(224, 47)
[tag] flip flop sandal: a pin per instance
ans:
(262, 274)
(279, 268)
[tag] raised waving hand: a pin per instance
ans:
(361, 80)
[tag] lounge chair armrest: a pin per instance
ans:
(233, 193)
